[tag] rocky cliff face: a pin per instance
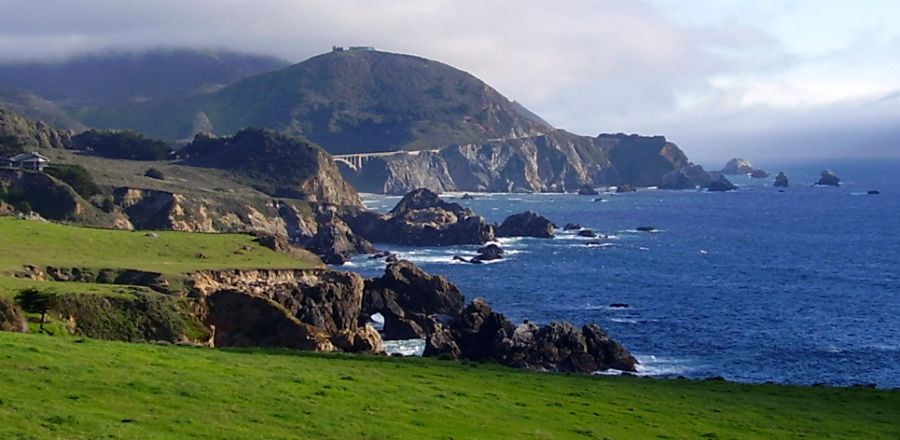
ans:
(308, 309)
(53, 199)
(18, 134)
(552, 162)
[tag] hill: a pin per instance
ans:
(347, 101)
(114, 77)
(80, 388)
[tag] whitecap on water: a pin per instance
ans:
(651, 365)
(407, 347)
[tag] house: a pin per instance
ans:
(27, 161)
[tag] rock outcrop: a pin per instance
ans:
(12, 318)
(759, 174)
(587, 190)
(781, 180)
(421, 218)
(316, 309)
(18, 134)
(334, 241)
(407, 298)
(526, 224)
(52, 199)
(480, 333)
(828, 178)
(738, 166)
(689, 176)
(720, 184)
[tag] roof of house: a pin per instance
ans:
(29, 157)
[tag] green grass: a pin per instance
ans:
(82, 388)
(47, 244)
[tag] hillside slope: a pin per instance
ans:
(113, 77)
(81, 388)
(347, 101)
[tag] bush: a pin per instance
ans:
(121, 145)
(35, 301)
(77, 177)
(12, 318)
(154, 173)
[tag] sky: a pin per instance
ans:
(762, 79)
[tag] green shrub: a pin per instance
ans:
(77, 177)
(121, 145)
(32, 300)
(154, 173)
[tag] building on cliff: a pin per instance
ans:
(27, 161)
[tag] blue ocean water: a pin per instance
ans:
(756, 285)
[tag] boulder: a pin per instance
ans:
(467, 196)
(619, 306)
(571, 227)
(12, 318)
(781, 180)
(759, 174)
(646, 229)
(689, 176)
(828, 178)
(738, 166)
(406, 294)
(587, 190)
(873, 192)
(587, 233)
(721, 184)
(526, 224)
(624, 188)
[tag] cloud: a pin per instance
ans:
(585, 65)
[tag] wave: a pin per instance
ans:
(651, 365)
(407, 347)
(624, 320)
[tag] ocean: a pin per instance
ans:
(756, 285)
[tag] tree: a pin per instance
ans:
(32, 300)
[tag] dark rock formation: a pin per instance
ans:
(781, 180)
(587, 190)
(489, 253)
(480, 333)
(587, 233)
(646, 229)
(738, 166)
(334, 241)
(421, 218)
(467, 196)
(526, 224)
(571, 227)
(315, 309)
(829, 179)
(873, 192)
(625, 188)
(619, 306)
(721, 184)
(759, 174)
(689, 176)
(12, 318)
(406, 297)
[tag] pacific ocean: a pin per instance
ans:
(755, 285)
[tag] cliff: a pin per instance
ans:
(554, 162)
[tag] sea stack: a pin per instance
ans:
(829, 178)
(738, 166)
(781, 180)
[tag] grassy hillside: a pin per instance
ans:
(76, 388)
(47, 244)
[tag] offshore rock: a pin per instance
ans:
(738, 166)
(421, 218)
(828, 178)
(526, 224)
(781, 180)
(721, 184)
(689, 176)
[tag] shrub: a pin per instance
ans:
(154, 173)
(12, 318)
(77, 177)
(121, 145)
(35, 301)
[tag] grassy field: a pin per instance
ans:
(81, 388)
(46, 244)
